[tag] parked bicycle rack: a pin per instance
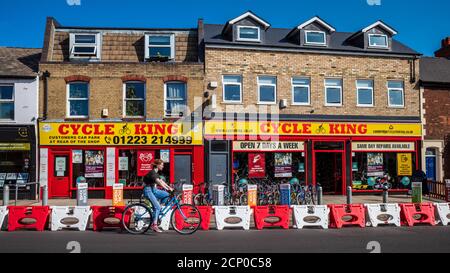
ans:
(3, 214)
(443, 212)
(101, 213)
(413, 214)
(17, 216)
(70, 218)
(205, 212)
(280, 215)
(232, 216)
(383, 214)
(311, 216)
(355, 213)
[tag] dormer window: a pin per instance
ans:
(247, 33)
(378, 40)
(85, 45)
(160, 46)
(315, 37)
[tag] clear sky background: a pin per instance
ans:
(421, 24)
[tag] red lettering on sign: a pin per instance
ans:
(139, 129)
(63, 129)
(85, 131)
(109, 129)
(362, 129)
(334, 129)
(307, 128)
(286, 128)
(75, 128)
(265, 128)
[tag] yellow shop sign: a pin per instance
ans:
(120, 134)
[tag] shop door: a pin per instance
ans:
(183, 171)
(431, 167)
(218, 169)
(61, 175)
(328, 169)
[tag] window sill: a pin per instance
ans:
(266, 103)
(133, 118)
(300, 104)
(76, 118)
(396, 107)
(333, 105)
(232, 102)
(365, 106)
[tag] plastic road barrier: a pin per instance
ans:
(383, 214)
(205, 212)
(347, 215)
(413, 214)
(28, 218)
(70, 218)
(187, 194)
(191, 215)
(234, 216)
(112, 214)
(443, 212)
(311, 216)
(252, 192)
(3, 214)
(272, 216)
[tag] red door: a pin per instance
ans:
(60, 186)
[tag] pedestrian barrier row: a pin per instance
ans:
(234, 216)
(383, 214)
(70, 218)
(272, 216)
(413, 214)
(311, 216)
(28, 218)
(347, 215)
(443, 213)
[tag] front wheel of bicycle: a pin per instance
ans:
(186, 219)
(136, 219)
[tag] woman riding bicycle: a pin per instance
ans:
(153, 194)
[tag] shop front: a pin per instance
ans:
(103, 154)
(366, 156)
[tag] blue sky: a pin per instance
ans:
(421, 24)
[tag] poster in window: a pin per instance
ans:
(301, 167)
(375, 165)
(404, 164)
(94, 161)
(123, 163)
(256, 165)
(11, 176)
(77, 156)
(60, 164)
(283, 164)
(145, 160)
(165, 156)
(2, 179)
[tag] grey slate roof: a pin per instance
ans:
(276, 38)
(19, 62)
(435, 70)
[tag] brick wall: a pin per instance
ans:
(250, 64)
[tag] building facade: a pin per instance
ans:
(312, 104)
(112, 101)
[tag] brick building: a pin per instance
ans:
(435, 89)
(113, 100)
(343, 108)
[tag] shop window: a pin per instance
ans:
(176, 96)
(134, 99)
(320, 145)
(14, 167)
(78, 100)
(7, 102)
(89, 166)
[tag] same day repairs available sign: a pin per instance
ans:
(120, 134)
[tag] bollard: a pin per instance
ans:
(385, 196)
(349, 195)
(44, 196)
(319, 195)
(6, 195)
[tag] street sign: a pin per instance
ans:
(417, 192)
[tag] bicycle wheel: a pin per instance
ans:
(186, 219)
(136, 218)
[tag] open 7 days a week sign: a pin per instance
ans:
(266, 146)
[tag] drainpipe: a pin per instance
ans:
(45, 75)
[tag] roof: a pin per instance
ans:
(277, 38)
(19, 62)
(435, 70)
(251, 15)
(381, 24)
(318, 20)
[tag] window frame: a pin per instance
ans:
(378, 46)
(96, 45)
(165, 97)
(358, 104)
(396, 89)
(248, 39)
(13, 101)
(124, 101)
(301, 85)
(237, 84)
(148, 46)
(259, 90)
(338, 87)
(315, 43)
(68, 99)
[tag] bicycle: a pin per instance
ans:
(137, 217)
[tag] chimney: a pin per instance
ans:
(201, 36)
(445, 49)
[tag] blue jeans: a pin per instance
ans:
(153, 194)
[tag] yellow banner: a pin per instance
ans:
(15, 146)
(120, 134)
(311, 128)
(383, 146)
(404, 164)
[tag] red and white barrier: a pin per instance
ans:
(311, 216)
(383, 214)
(234, 216)
(443, 213)
(3, 214)
(37, 216)
(347, 215)
(70, 218)
(413, 214)
(280, 214)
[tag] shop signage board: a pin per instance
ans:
(130, 134)
(43, 167)
(416, 192)
(15, 146)
(110, 166)
(252, 191)
(145, 160)
(383, 146)
(283, 164)
(286, 128)
(256, 165)
(268, 146)
(404, 164)
(375, 164)
(118, 195)
(123, 163)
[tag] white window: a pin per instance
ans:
(301, 91)
(134, 99)
(396, 94)
(267, 90)
(333, 92)
(364, 90)
(378, 40)
(246, 33)
(78, 100)
(175, 99)
(85, 45)
(160, 46)
(7, 102)
(232, 89)
(315, 37)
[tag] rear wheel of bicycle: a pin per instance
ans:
(186, 219)
(136, 218)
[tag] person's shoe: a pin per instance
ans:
(155, 228)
